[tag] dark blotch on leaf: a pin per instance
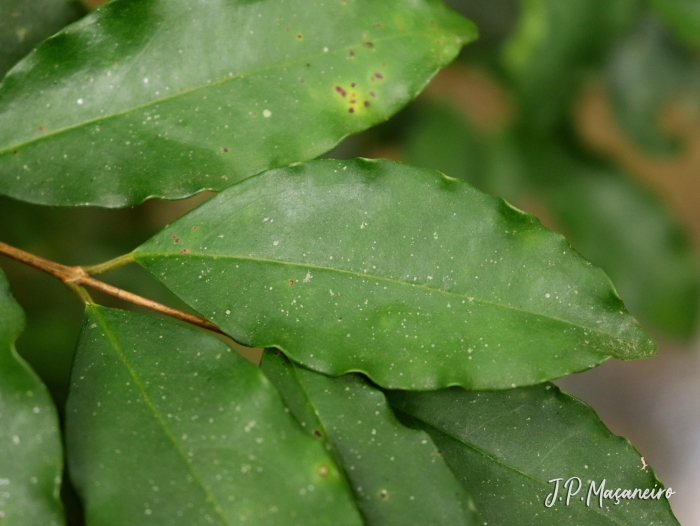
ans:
(351, 110)
(383, 494)
(367, 104)
(341, 91)
(175, 238)
(379, 76)
(184, 251)
(368, 44)
(291, 282)
(317, 433)
(225, 150)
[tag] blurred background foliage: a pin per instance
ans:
(585, 113)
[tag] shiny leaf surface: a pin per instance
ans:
(168, 97)
(507, 448)
(397, 475)
(167, 425)
(414, 278)
(31, 457)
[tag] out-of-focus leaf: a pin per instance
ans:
(683, 17)
(553, 45)
(167, 425)
(31, 457)
(414, 278)
(644, 73)
(24, 24)
(626, 230)
(507, 446)
(441, 138)
(166, 97)
(397, 475)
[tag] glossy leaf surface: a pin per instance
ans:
(24, 24)
(415, 278)
(168, 97)
(31, 456)
(506, 446)
(168, 425)
(397, 475)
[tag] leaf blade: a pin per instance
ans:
(202, 442)
(515, 442)
(246, 87)
(31, 457)
(396, 474)
(308, 257)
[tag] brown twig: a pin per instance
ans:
(78, 276)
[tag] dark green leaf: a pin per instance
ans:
(169, 97)
(397, 475)
(506, 446)
(554, 44)
(683, 17)
(167, 425)
(24, 24)
(31, 459)
(414, 278)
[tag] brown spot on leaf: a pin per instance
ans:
(353, 85)
(41, 128)
(383, 494)
(317, 433)
(300, 37)
(368, 44)
(373, 94)
(352, 53)
(351, 110)
(184, 251)
(379, 76)
(225, 150)
(175, 238)
(367, 104)
(194, 227)
(341, 91)
(291, 282)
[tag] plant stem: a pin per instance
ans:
(73, 276)
(110, 265)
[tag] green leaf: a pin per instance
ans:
(397, 474)
(507, 446)
(416, 279)
(554, 44)
(626, 230)
(167, 425)
(24, 24)
(31, 457)
(683, 17)
(166, 98)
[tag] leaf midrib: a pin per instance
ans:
(307, 266)
(493, 459)
(251, 73)
(166, 430)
